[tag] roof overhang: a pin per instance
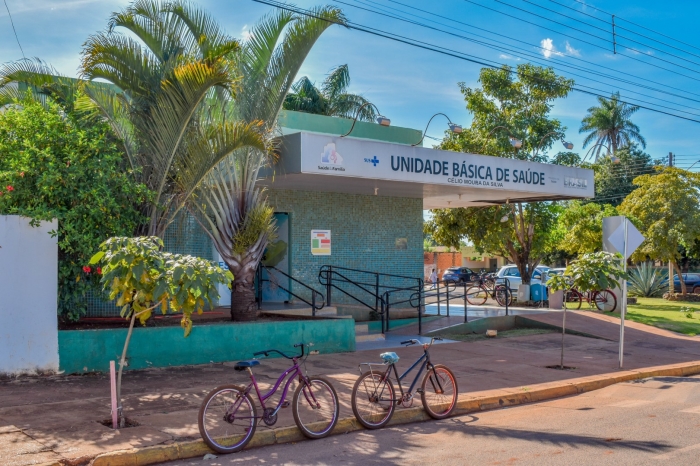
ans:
(320, 162)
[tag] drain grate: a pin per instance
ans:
(561, 368)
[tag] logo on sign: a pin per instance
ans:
(330, 155)
(575, 182)
(374, 161)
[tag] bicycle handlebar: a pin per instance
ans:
(267, 352)
(413, 341)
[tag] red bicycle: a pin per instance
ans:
(604, 300)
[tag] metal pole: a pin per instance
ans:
(563, 331)
(465, 302)
(376, 292)
(420, 300)
(329, 278)
(382, 317)
(507, 293)
(447, 298)
(113, 389)
(387, 313)
(623, 304)
(313, 303)
(438, 296)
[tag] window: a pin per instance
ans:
(512, 272)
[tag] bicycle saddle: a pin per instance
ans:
(243, 365)
(389, 358)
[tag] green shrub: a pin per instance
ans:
(55, 165)
(647, 280)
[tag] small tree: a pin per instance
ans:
(141, 278)
(582, 226)
(595, 271)
(666, 208)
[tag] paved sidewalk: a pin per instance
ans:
(60, 415)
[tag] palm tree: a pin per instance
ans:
(228, 204)
(609, 124)
(161, 75)
(331, 99)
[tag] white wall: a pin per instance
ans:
(224, 291)
(28, 296)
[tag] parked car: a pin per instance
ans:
(459, 274)
(692, 283)
(512, 273)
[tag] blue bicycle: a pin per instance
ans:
(374, 398)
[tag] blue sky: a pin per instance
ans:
(409, 84)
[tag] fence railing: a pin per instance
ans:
(317, 301)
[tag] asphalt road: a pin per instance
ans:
(653, 421)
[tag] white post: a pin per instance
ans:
(623, 301)
(113, 386)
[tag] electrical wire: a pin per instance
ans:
(536, 59)
(13, 29)
(441, 50)
(635, 24)
(584, 41)
(617, 35)
(529, 54)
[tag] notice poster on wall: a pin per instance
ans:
(321, 242)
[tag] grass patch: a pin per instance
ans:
(516, 332)
(664, 314)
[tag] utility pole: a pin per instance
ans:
(671, 287)
(613, 31)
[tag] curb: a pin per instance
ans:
(479, 401)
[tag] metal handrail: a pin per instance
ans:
(314, 302)
(327, 273)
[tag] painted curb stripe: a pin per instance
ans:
(466, 404)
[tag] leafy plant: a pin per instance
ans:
(56, 165)
(688, 312)
(647, 280)
(332, 99)
(596, 271)
(559, 282)
(142, 278)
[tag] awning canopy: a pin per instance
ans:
(320, 162)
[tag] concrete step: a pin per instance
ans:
(368, 337)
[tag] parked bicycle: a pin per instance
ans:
(228, 416)
(374, 397)
(485, 288)
(604, 300)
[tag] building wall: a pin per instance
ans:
(28, 296)
(366, 234)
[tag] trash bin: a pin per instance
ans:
(538, 292)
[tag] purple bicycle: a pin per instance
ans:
(228, 416)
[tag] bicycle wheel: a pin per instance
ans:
(227, 419)
(373, 400)
(315, 407)
(476, 295)
(503, 295)
(572, 299)
(439, 392)
(605, 300)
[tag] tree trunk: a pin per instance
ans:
(243, 306)
(684, 289)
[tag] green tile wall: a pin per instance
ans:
(364, 230)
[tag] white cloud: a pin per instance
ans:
(572, 51)
(245, 33)
(548, 48)
(503, 56)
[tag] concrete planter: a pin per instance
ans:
(523, 293)
(91, 350)
(556, 300)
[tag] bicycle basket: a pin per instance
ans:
(389, 358)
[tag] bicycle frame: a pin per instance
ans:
(291, 373)
(424, 361)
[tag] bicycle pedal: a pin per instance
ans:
(419, 390)
(285, 404)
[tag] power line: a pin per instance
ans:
(618, 35)
(585, 41)
(601, 38)
(635, 24)
(442, 50)
(617, 26)
(13, 28)
(536, 59)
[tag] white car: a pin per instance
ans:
(512, 273)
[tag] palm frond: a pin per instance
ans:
(336, 83)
